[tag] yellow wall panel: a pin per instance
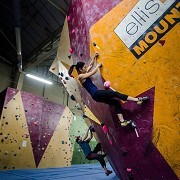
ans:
(14, 132)
(59, 150)
(158, 67)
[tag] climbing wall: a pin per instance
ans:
(138, 46)
(62, 63)
(34, 132)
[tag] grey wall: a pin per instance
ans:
(55, 93)
(5, 76)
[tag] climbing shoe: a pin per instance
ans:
(142, 99)
(125, 123)
(108, 172)
(133, 125)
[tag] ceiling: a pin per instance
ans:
(40, 23)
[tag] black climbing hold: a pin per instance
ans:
(131, 176)
(124, 152)
(81, 54)
(72, 97)
(69, 56)
(102, 124)
(84, 116)
(91, 128)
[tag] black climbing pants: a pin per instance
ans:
(108, 97)
(94, 156)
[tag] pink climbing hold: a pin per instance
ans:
(105, 129)
(128, 169)
(70, 50)
(107, 84)
(110, 141)
(68, 18)
(36, 122)
(73, 31)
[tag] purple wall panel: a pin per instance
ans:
(42, 118)
(33, 106)
(142, 156)
(10, 94)
(80, 39)
(83, 15)
(96, 9)
(49, 121)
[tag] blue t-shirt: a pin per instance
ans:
(89, 86)
(85, 147)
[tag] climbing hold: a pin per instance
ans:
(35, 123)
(107, 84)
(53, 69)
(81, 54)
(72, 98)
(110, 141)
(128, 169)
(162, 42)
(131, 176)
(84, 116)
(68, 18)
(91, 128)
(6, 153)
(105, 129)
(94, 44)
(78, 106)
(66, 78)
(73, 31)
(69, 56)
(144, 61)
(71, 50)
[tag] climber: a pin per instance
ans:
(92, 155)
(104, 96)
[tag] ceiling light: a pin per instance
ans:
(38, 79)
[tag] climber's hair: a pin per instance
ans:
(78, 66)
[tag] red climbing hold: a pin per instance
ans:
(162, 42)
